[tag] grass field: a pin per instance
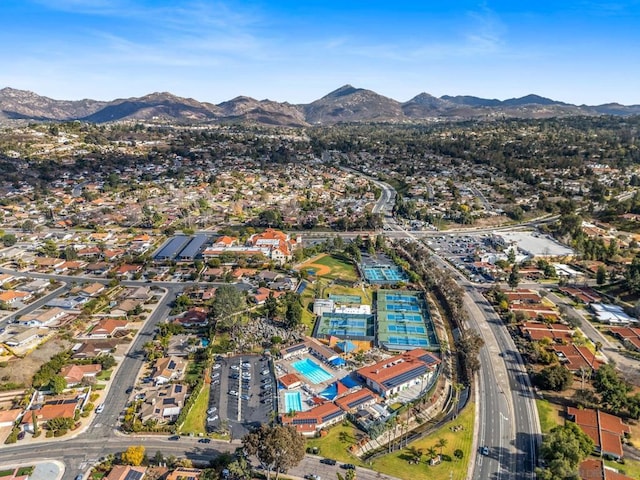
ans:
(195, 421)
(549, 415)
(397, 463)
(339, 268)
(336, 444)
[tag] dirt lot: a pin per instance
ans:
(21, 370)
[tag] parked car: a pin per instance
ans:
(129, 390)
(204, 440)
(233, 393)
(212, 419)
(217, 366)
(312, 476)
(235, 367)
(245, 396)
(212, 410)
(264, 372)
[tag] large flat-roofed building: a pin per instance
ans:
(193, 248)
(171, 248)
(394, 374)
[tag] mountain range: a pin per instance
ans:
(346, 104)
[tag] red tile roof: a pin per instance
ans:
(605, 430)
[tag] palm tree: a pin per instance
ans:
(431, 453)
(442, 442)
(416, 453)
(598, 347)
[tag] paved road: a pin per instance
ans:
(508, 419)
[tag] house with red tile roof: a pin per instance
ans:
(8, 417)
(126, 472)
(394, 374)
(194, 317)
(54, 409)
(290, 380)
(575, 358)
(536, 331)
(76, 374)
(12, 296)
(263, 293)
(604, 429)
(107, 327)
(630, 336)
(276, 245)
(310, 421)
(356, 400)
(595, 469)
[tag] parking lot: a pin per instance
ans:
(243, 394)
(463, 250)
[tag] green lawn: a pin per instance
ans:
(631, 468)
(337, 442)
(195, 421)
(339, 268)
(105, 375)
(397, 463)
(194, 371)
(548, 414)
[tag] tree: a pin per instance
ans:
(442, 442)
(240, 469)
(134, 455)
(271, 306)
(9, 240)
(228, 300)
(555, 377)
(278, 447)
(514, 277)
(57, 384)
(601, 275)
(431, 452)
(469, 346)
(563, 449)
(459, 454)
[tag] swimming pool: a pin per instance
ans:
(292, 402)
(314, 372)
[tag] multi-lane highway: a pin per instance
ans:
(508, 424)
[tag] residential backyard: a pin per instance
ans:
(549, 414)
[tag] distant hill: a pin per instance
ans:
(344, 105)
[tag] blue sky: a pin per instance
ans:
(576, 51)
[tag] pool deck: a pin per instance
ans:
(308, 390)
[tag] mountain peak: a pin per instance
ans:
(343, 91)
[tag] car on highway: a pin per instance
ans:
(312, 476)
(79, 477)
(100, 408)
(328, 461)
(485, 450)
(204, 440)
(348, 466)
(174, 438)
(129, 390)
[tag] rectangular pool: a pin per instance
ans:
(312, 371)
(292, 402)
